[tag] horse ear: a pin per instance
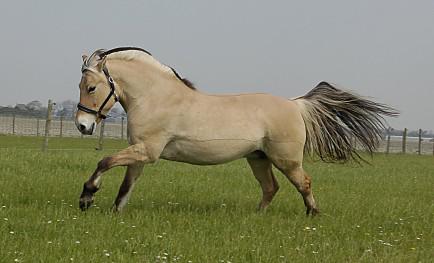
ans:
(84, 57)
(101, 64)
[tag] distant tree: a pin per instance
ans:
(21, 107)
(117, 111)
(65, 108)
(35, 105)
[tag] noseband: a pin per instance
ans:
(112, 93)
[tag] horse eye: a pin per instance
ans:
(91, 89)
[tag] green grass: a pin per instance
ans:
(179, 213)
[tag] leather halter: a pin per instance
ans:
(101, 108)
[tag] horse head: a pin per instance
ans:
(97, 92)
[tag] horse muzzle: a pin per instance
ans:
(86, 128)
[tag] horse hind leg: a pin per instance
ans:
(302, 182)
(262, 170)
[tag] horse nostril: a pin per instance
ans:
(82, 127)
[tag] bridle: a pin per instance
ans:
(112, 93)
(98, 113)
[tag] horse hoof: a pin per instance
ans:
(312, 211)
(115, 209)
(85, 202)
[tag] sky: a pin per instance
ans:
(381, 49)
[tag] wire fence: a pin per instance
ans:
(116, 128)
(60, 127)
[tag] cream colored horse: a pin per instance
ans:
(169, 119)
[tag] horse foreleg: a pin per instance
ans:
(138, 154)
(132, 174)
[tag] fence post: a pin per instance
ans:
(122, 128)
(13, 124)
(433, 146)
(101, 135)
(47, 125)
(404, 140)
(388, 141)
(419, 146)
(37, 127)
(61, 126)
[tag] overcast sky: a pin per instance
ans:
(382, 49)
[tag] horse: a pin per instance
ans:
(168, 118)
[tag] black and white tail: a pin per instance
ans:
(333, 118)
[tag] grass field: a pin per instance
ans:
(382, 212)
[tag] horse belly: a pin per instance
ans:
(208, 152)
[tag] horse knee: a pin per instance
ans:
(104, 164)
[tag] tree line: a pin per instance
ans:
(36, 109)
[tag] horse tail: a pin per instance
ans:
(336, 120)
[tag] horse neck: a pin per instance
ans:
(139, 84)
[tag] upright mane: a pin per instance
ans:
(130, 53)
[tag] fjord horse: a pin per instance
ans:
(169, 119)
